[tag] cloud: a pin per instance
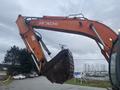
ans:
(9, 11)
(104, 11)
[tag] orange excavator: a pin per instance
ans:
(61, 67)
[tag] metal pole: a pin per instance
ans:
(93, 28)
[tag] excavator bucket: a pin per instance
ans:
(60, 68)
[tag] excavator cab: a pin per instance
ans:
(114, 65)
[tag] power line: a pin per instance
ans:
(89, 59)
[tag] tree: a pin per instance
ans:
(21, 57)
(25, 61)
(12, 55)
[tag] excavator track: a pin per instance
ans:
(60, 68)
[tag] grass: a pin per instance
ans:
(92, 83)
(6, 81)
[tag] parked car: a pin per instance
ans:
(18, 77)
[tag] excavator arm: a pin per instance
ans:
(60, 68)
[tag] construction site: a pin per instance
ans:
(59, 46)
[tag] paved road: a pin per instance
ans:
(41, 83)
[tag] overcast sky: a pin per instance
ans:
(105, 11)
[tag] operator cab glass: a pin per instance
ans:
(114, 65)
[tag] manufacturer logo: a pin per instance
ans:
(50, 23)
